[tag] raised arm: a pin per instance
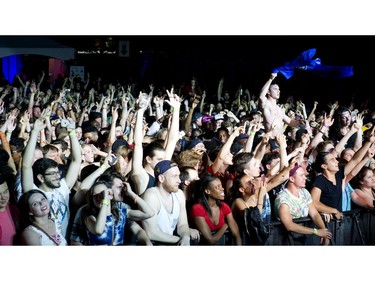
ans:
(105, 107)
(265, 88)
(359, 137)
(253, 128)
(97, 224)
(5, 134)
(202, 101)
(189, 117)
(33, 91)
(341, 144)
(87, 81)
(327, 123)
(138, 173)
(369, 155)
(358, 156)
(282, 176)
(41, 80)
(333, 108)
(281, 140)
(74, 166)
(220, 89)
(112, 131)
(80, 195)
(124, 112)
(28, 155)
(312, 112)
(172, 139)
(225, 150)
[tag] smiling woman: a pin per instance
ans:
(40, 229)
(211, 216)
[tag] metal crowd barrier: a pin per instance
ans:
(356, 228)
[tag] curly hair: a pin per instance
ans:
(188, 158)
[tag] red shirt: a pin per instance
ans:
(199, 211)
(7, 227)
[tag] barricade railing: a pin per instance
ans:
(356, 228)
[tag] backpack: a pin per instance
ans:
(255, 227)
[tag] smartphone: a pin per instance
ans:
(113, 160)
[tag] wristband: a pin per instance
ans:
(315, 231)
(104, 168)
(135, 199)
(72, 133)
(105, 202)
(252, 134)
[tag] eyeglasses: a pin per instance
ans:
(53, 173)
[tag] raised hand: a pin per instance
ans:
(328, 121)
(114, 110)
(174, 99)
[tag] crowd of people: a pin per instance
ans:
(104, 163)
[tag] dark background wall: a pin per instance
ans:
(240, 60)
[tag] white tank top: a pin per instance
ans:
(167, 222)
(46, 241)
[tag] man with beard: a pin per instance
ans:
(169, 225)
(47, 177)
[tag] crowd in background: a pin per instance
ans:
(98, 162)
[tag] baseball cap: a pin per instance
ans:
(219, 116)
(207, 118)
(192, 143)
(163, 166)
(241, 137)
(196, 116)
(118, 143)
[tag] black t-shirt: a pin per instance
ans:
(331, 195)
